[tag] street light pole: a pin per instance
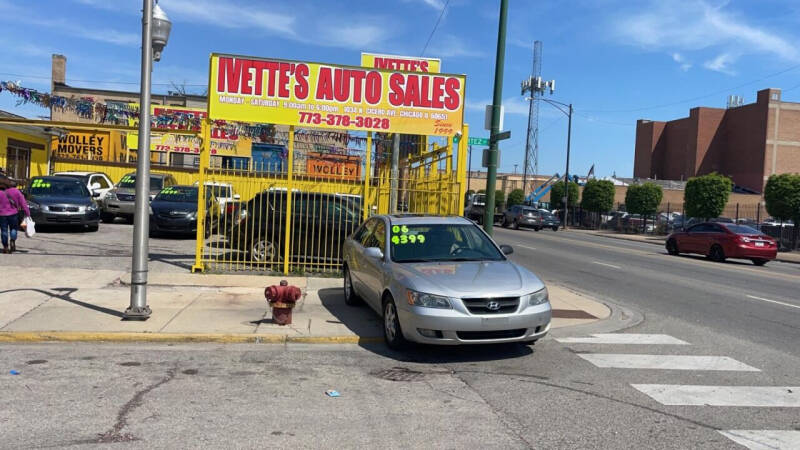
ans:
(497, 102)
(138, 309)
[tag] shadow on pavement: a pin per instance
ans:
(366, 323)
(66, 295)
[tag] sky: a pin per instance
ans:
(616, 61)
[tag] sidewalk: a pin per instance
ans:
(87, 305)
(789, 257)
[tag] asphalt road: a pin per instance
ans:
(708, 360)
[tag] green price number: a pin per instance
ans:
(408, 239)
(396, 240)
(399, 229)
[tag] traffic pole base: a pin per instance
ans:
(137, 313)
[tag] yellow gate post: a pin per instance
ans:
(205, 160)
(461, 169)
(287, 230)
(367, 168)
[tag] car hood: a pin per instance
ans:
(162, 206)
(61, 200)
(132, 191)
(470, 278)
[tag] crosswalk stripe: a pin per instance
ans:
(764, 439)
(666, 362)
(624, 338)
(692, 395)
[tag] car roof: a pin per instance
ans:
(152, 174)
(56, 178)
(82, 174)
(425, 219)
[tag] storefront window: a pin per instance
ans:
(18, 162)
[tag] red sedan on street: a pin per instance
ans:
(724, 240)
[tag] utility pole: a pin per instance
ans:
(566, 174)
(395, 174)
(497, 102)
(152, 45)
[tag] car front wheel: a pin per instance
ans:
(263, 250)
(717, 254)
(759, 261)
(392, 333)
(672, 247)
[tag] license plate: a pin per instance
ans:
(494, 321)
(759, 244)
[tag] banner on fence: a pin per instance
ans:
(333, 166)
(307, 94)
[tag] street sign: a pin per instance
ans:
(501, 136)
(485, 158)
(473, 141)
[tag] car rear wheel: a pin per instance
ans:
(555, 228)
(504, 223)
(515, 225)
(537, 228)
(392, 333)
(672, 247)
(759, 261)
(264, 250)
(350, 296)
(716, 254)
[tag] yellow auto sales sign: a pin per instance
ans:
(331, 96)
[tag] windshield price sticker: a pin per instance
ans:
(170, 191)
(402, 237)
(126, 179)
(40, 184)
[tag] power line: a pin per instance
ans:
(434, 28)
(700, 97)
(96, 81)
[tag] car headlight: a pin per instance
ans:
(33, 205)
(111, 195)
(538, 298)
(191, 216)
(92, 207)
(428, 300)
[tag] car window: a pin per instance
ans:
(180, 194)
(377, 236)
(742, 229)
(101, 180)
(363, 231)
(441, 242)
(699, 228)
(57, 188)
(715, 229)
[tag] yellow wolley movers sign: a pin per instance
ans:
(284, 92)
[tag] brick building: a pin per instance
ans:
(748, 143)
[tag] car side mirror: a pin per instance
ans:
(507, 249)
(95, 194)
(374, 252)
(237, 197)
(95, 186)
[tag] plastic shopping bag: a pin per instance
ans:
(30, 227)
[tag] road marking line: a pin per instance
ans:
(764, 439)
(607, 265)
(666, 362)
(692, 395)
(525, 246)
(624, 338)
(773, 301)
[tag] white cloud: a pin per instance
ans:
(449, 46)
(511, 105)
(227, 14)
(721, 63)
(680, 59)
(694, 25)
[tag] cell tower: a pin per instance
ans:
(531, 166)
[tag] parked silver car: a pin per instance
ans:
(442, 280)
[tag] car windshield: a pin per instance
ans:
(441, 242)
(180, 194)
(218, 191)
(129, 182)
(44, 187)
(84, 178)
(742, 229)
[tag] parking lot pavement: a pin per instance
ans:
(108, 248)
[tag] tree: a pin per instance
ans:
(782, 196)
(516, 197)
(643, 199)
(499, 198)
(557, 194)
(706, 196)
(598, 196)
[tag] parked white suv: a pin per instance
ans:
(96, 182)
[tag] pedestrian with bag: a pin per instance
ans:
(13, 210)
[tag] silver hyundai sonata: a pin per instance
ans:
(442, 280)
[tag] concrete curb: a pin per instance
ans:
(77, 336)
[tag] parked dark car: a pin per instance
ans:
(719, 241)
(62, 201)
(174, 211)
(320, 224)
(121, 201)
(529, 217)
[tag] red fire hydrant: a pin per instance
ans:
(282, 299)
